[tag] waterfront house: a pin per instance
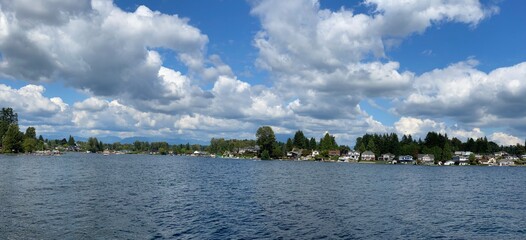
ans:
(426, 159)
(315, 153)
(506, 162)
(353, 155)
(461, 160)
(523, 156)
(387, 157)
(490, 161)
(334, 153)
(294, 154)
(500, 154)
(405, 159)
(368, 156)
(249, 150)
(463, 153)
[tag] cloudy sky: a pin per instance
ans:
(196, 69)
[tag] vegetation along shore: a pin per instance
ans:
(434, 149)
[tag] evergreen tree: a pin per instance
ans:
(289, 145)
(313, 144)
(12, 140)
(371, 146)
(328, 143)
(71, 141)
(447, 153)
(299, 140)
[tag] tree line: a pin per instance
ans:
(440, 145)
(270, 148)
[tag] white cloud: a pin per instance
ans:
(505, 139)
(30, 102)
(98, 47)
(400, 18)
(469, 95)
(325, 58)
(420, 127)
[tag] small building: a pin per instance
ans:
(353, 155)
(315, 153)
(368, 156)
(506, 162)
(500, 154)
(463, 153)
(249, 150)
(293, 154)
(490, 161)
(426, 159)
(461, 160)
(334, 153)
(405, 159)
(387, 157)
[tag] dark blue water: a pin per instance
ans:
(87, 196)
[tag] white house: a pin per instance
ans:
(426, 159)
(490, 161)
(353, 155)
(463, 153)
(315, 153)
(387, 157)
(506, 162)
(368, 156)
(405, 159)
(500, 154)
(461, 160)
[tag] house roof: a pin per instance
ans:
(367, 153)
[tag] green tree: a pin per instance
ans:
(289, 145)
(12, 140)
(93, 144)
(29, 145)
(265, 138)
(313, 144)
(361, 148)
(299, 140)
(447, 153)
(328, 142)
(30, 133)
(9, 116)
(371, 146)
(265, 155)
(71, 141)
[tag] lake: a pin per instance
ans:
(90, 196)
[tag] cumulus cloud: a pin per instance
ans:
(98, 47)
(420, 127)
(322, 64)
(400, 18)
(469, 95)
(505, 139)
(29, 101)
(328, 57)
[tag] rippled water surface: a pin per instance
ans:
(86, 196)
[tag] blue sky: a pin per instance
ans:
(201, 69)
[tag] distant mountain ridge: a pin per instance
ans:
(130, 140)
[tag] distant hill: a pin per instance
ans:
(129, 140)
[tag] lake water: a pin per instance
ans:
(89, 196)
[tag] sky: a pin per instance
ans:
(202, 69)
